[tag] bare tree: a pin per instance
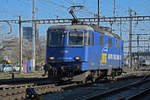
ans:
(40, 50)
(12, 46)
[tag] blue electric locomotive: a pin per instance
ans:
(86, 50)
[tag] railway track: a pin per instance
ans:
(128, 92)
(140, 95)
(18, 91)
(80, 92)
(21, 81)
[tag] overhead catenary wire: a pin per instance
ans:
(45, 5)
(85, 10)
(56, 4)
(70, 2)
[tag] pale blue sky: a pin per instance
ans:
(11, 9)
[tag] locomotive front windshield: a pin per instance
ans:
(55, 38)
(78, 38)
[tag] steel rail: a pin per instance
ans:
(139, 95)
(4, 87)
(116, 90)
(21, 81)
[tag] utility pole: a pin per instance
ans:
(120, 30)
(111, 23)
(33, 36)
(144, 47)
(114, 10)
(138, 52)
(130, 39)
(148, 45)
(20, 35)
(36, 33)
(98, 12)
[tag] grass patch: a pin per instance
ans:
(21, 75)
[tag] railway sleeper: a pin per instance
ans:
(84, 77)
(14, 97)
(20, 96)
(5, 98)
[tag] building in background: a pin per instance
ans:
(27, 33)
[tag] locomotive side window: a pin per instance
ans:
(89, 39)
(92, 39)
(86, 38)
(101, 40)
(55, 38)
(109, 42)
(117, 44)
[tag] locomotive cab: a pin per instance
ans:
(67, 48)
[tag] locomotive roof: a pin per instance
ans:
(103, 30)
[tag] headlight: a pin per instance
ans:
(51, 58)
(27, 95)
(32, 96)
(77, 58)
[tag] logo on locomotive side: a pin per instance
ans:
(103, 58)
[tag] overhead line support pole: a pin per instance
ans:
(33, 35)
(98, 12)
(130, 39)
(138, 50)
(114, 11)
(20, 46)
(120, 30)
